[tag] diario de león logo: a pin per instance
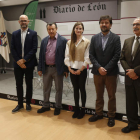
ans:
(3, 39)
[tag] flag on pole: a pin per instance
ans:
(30, 10)
(4, 45)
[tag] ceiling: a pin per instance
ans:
(21, 2)
(18, 2)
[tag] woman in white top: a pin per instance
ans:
(77, 59)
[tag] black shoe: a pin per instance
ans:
(111, 122)
(128, 129)
(43, 109)
(17, 108)
(95, 118)
(76, 112)
(81, 114)
(28, 107)
(57, 111)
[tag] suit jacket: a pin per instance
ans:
(59, 55)
(107, 58)
(128, 63)
(30, 48)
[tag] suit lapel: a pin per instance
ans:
(109, 40)
(19, 37)
(130, 44)
(57, 43)
(137, 51)
(100, 42)
(45, 45)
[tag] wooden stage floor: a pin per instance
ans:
(32, 126)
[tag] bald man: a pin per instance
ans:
(23, 49)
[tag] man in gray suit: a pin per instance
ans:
(130, 60)
(104, 54)
(51, 65)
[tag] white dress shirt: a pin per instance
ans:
(23, 36)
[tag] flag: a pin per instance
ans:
(30, 10)
(4, 45)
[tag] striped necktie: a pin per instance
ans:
(135, 47)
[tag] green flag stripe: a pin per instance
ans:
(30, 11)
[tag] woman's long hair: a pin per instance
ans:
(73, 40)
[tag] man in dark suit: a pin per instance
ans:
(23, 49)
(130, 60)
(104, 54)
(51, 65)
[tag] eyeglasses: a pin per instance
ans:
(137, 24)
(23, 20)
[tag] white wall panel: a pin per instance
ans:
(130, 9)
(126, 26)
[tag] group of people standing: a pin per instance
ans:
(58, 57)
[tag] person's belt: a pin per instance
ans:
(51, 66)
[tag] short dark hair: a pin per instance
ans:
(106, 17)
(51, 23)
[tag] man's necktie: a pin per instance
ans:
(135, 47)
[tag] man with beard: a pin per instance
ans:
(130, 60)
(23, 49)
(104, 54)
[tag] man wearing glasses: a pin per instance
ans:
(104, 54)
(130, 60)
(23, 49)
